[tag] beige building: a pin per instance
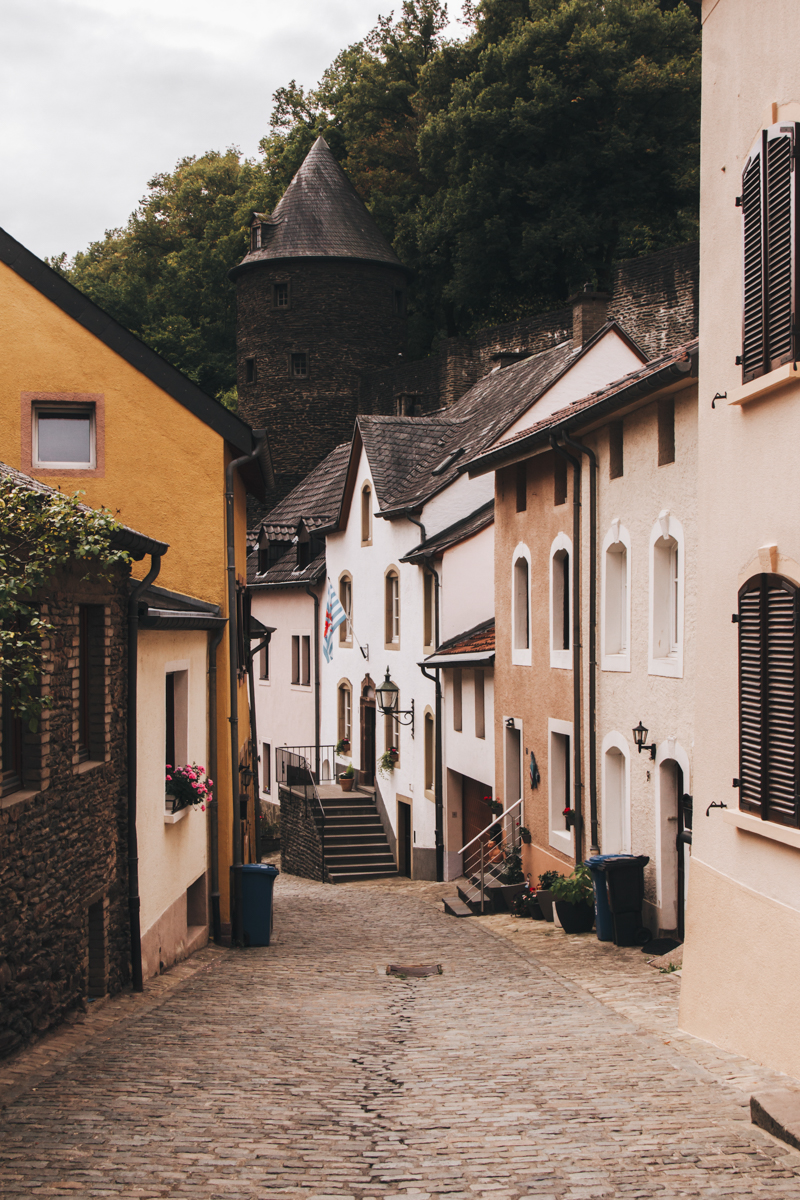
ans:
(742, 957)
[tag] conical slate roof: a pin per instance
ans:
(320, 215)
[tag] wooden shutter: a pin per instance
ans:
(769, 686)
(752, 207)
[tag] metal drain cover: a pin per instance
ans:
(415, 971)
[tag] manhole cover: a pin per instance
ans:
(415, 970)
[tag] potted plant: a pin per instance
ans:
(512, 878)
(544, 894)
(343, 746)
(387, 761)
(574, 900)
(525, 904)
(347, 778)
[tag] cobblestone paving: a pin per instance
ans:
(302, 1070)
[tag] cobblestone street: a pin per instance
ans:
(302, 1070)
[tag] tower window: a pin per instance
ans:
(250, 370)
(255, 237)
(299, 366)
(280, 295)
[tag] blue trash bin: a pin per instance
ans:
(257, 880)
(603, 918)
(618, 881)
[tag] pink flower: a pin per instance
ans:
(169, 779)
(202, 770)
(210, 782)
(202, 808)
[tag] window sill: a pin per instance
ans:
(766, 829)
(18, 797)
(520, 658)
(562, 841)
(171, 818)
(765, 384)
(615, 662)
(430, 795)
(265, 682)
(300, 687)
(561, 660)
(667, 668)
(391, 645)
(88, 765)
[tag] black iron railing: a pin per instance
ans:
(293, 773)
(321, 761)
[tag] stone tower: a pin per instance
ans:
(321, 299)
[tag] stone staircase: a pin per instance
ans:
(356, 846)
(468, 901)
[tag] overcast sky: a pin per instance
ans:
(99, 95)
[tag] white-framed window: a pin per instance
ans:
(559, 783)
(561, 603)
(266, 768)
(615, 627)
(345, 706)
(512, 765)
(64, 437)
(392, 609)
(301, 660)
(521, 606)
(457, 699)
(366, 515)
(429, 744)
(428, 610)
(667, 553)
(346, 601)
(615, 811)
(480, 704)
(263, 657)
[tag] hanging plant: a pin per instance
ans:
(343, 746)
(387, 761)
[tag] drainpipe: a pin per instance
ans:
(254, 752)
(315, 598)
(595, 849)
(216, 927)
(134, 903)
(233, 652)
(576, 643)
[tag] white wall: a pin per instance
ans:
(467, 577)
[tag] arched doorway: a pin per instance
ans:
(675, 821)
(368, 718)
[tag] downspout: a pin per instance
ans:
(575, 567)
(134, 902)
(254, 752)
(233, 665)
(595, 849)
(216, 927)
(315, 598)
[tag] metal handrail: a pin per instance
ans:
(505, 813)
(294, 771)
(309, 753)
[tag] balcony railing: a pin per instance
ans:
(321, 761)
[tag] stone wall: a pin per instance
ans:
(301, 845)
(655, 298)
(63, 841)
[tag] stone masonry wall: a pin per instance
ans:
(63, 841)
(301, 846)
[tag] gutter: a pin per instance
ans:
(134, 901)
(213, 816)
(575, 568)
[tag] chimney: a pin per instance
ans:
(589, 313)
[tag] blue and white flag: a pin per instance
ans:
(334, 615)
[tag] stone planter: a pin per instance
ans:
(575, 918)
(508, 891)
(545, 899)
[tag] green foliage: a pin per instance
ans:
(547, 879)
(525, 904)
(577, 887)
(350, 772)
(512, 869)
(40, 532)
(387, 762)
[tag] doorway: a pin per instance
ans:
(368, 720)
(676, 839)
(403, 838)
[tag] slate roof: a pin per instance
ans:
(659, 373)
(455, 533)
(137, 544)
(315, 500)
(478, 640)
(284, 572)
(320, 215)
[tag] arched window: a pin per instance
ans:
(345, 695)
(616, 811)
(430, 754)
(521, 607)
(366, 515)
(346, 601)
(666, 596)
(561, 603)
(392, 609)
(616, 592)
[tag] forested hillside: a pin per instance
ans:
(506, 169)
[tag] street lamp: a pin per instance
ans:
(640, 738)
(388, 696)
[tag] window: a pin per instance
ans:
(295, 658)
(616, 618)
(513, 761)
(521, 608)
(406, 405)
(666, 597)
(250, 371)
(561, 603)
(615, 812)
(457, 699)
(429, 622)
(345, 710)
(391, 733)
(255, 237)
(615, 450)
(399, 302)
(177, 719)
(366, 515)
(266, 767)
(769, 204)
(305, 661)
(91, 682)
(559, 480)
(12, 769)
(280, 295)
(346, 601)
(769, 720)
(64, 436)
(522, 486)
(298, 366)
(559, 776)
(392, 601)
(430, 751)
(666, 431)
(480, 705)
(264, 663)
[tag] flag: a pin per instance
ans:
(334, 615)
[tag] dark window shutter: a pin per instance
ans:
(752, 207)
(780, 165)
(769, 686)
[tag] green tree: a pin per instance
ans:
(40, 532)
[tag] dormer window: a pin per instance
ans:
(257, 239)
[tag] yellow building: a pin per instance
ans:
(84, 405)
